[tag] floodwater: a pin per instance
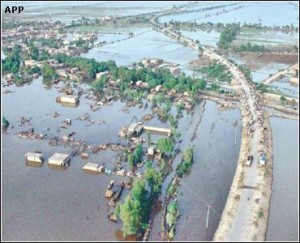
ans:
(197, 16)
(65, 12)
(267, 37)
(284, 211)
(259, 70)
(45, 204)
(286, 88)
(212, 172)
(205, 37)
(146, 43)
(216, 153)
(261, 12)
(263, 72)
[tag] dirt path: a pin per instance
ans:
(279, 74)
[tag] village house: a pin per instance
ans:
(59, 159)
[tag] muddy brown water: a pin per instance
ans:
(215, 158)
(46, 204)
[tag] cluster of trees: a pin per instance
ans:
(228, 34)
(135, 211)
(12, 61)
(186, 164)
(165, 145)
(48, 72)
(161, 76)
(262, 87)
(32, 70)
(171, 216)
(52, 42)
(89, 66)
(249, 47)
(217, 70)
(80, 43)
(135, 157)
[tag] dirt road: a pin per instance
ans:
(281, 73)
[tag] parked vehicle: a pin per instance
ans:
(249, 160)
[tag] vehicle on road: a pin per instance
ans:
(249, 160)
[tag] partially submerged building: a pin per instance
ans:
(59, 159)
(151, 150)
(92, 167)
(159, 130)
(67, 99)
(135, 129)
(34, 159)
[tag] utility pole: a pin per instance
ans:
(207, 218)
(235, 135)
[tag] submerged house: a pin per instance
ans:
(34, 159)
(135, 129)
(59, 159)
(93, 167)
(151, 150)
(67, 99)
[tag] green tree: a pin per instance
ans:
(282, 98)
(130, 216)
(154, 179)
(34, 53)
(165, 145)
(172, 213)
(130, 161)
(138, 153)
(48, 71)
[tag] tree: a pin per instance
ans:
(34, 53)
(172, 213)
(165, 145)
(138, 153)
(282, 98)
(130, 161)
(130, 216)
(48, 71)
(154, 179)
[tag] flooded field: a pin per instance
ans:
(65, 12)
(284, 211)
(145, 43)
(255, 12)
(260, 69)
(267, 38)
(43, 204)
(198, 16)
(209, 38)
(286, 88)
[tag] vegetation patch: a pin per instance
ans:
(218, 71)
